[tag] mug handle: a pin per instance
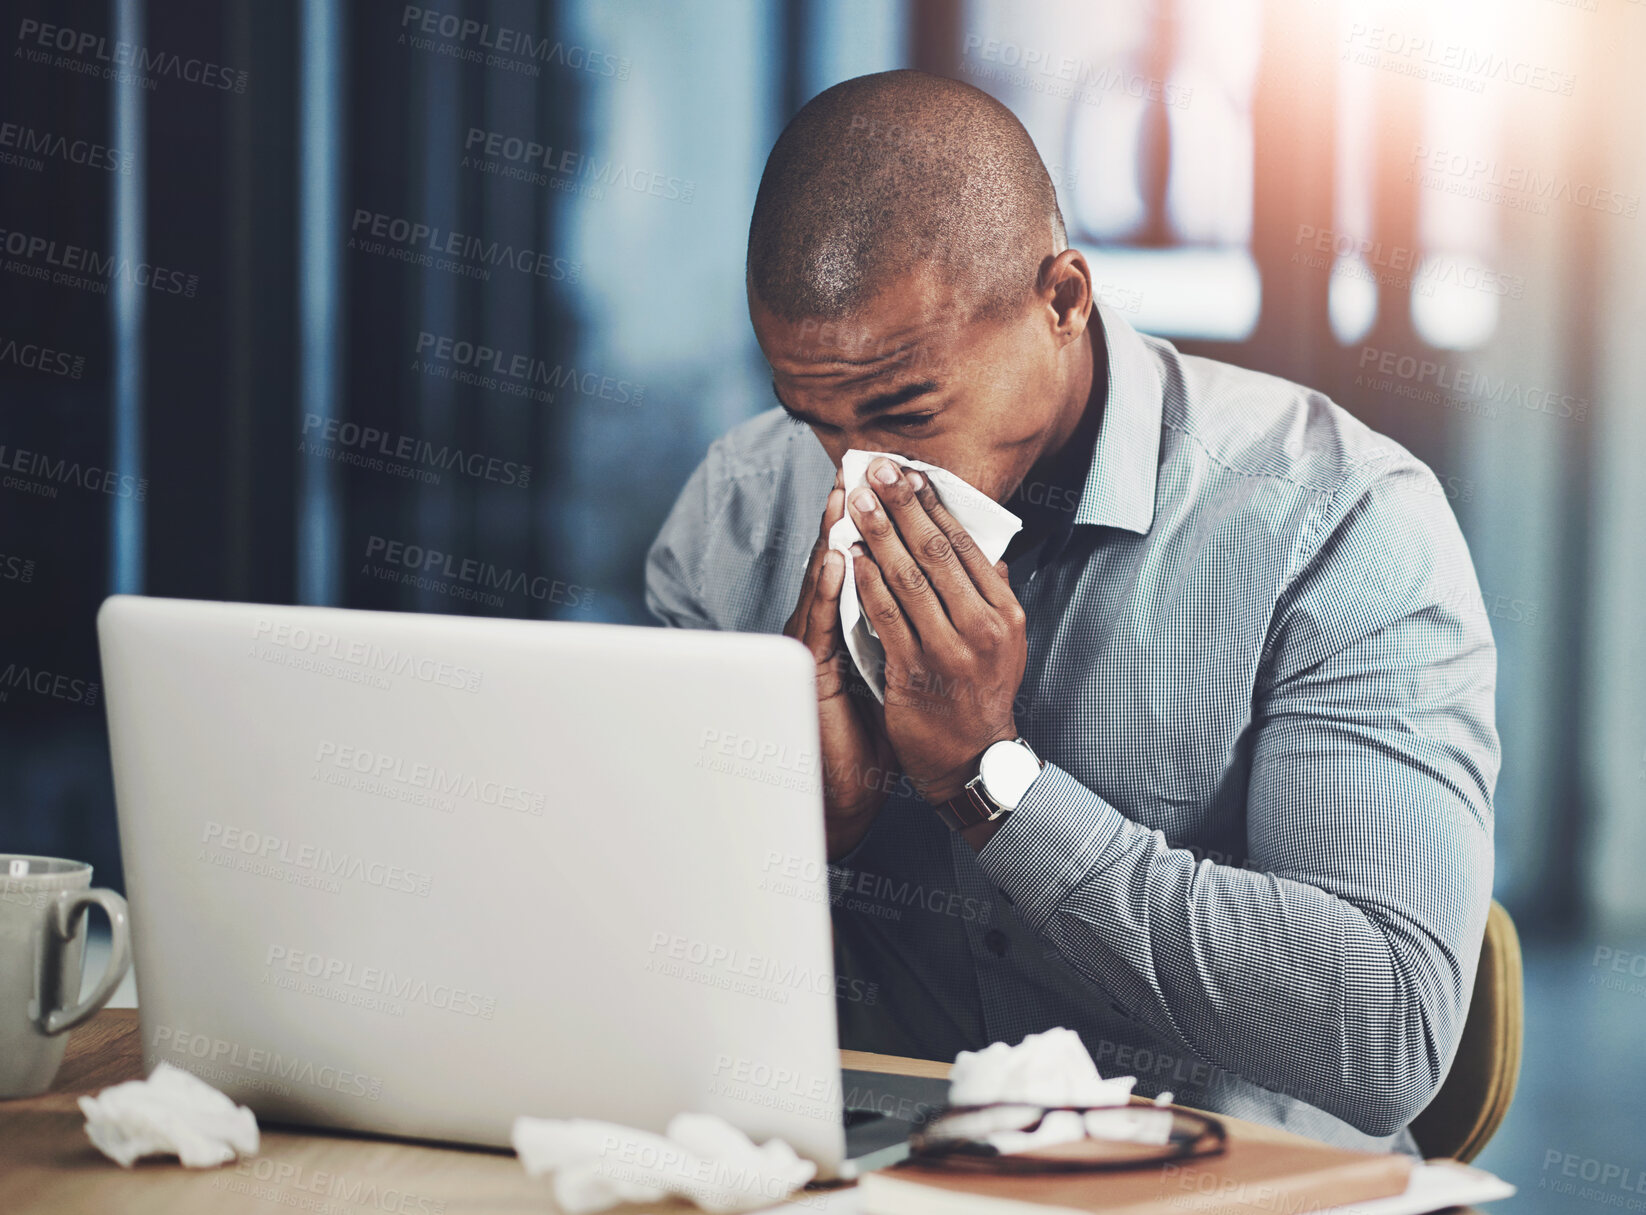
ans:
(61, 924)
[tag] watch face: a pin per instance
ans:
(1008, 769)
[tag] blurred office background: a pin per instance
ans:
(1430, 212)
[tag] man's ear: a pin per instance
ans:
(1065, 287)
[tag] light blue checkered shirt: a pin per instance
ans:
(1256, 868)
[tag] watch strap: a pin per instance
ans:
(968, 809)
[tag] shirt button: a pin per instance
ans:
(996, 943)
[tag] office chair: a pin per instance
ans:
(1476, 1092)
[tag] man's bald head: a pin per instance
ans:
(881, 174)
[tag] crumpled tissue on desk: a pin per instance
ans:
(1053, 1069)
(172, 1111)
(701, 1157)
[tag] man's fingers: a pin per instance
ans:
(932, 548)
(833, 509)
(821, 632)
(990, 579)
(911, 589)
(823, 621)
(885, 612)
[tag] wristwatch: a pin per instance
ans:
(1004, 775)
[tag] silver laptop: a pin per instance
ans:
(417, 875)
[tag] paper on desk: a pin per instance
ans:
(991, 525)
(701, 1157)
(172, 1111)
(1436, 1185)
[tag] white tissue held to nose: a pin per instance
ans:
(700, 1157)
(173, 1111)
(990, 525)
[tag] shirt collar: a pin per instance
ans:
(1120, 485)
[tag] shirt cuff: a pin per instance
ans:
(1056, 836)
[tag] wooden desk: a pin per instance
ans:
(47, 1165)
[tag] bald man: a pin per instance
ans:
(1203, 769)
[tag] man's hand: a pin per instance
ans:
(858, 762)
(955, 635)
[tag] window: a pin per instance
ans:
(1143, 114)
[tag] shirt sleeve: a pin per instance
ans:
(1335, 964)
(674, 563)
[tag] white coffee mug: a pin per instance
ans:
(43, 912)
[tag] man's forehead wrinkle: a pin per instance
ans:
(835, 397)
(873, 368)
